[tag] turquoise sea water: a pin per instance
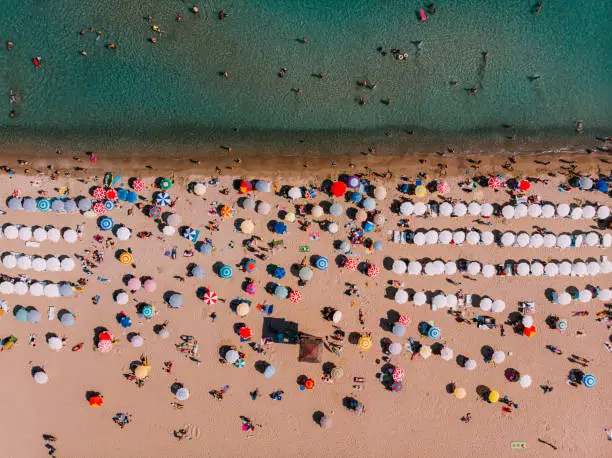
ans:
(175, 85)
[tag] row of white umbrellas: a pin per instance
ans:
(39, 234)
(46, 289)
(585, 295)
(535, 268)
(522, 239)
(441, 301)
(37, 263)
(508, 211)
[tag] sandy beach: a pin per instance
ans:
(423, 419)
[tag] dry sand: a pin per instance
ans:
(422, 420)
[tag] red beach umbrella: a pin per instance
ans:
(246, 187)
(373, 271)
(398, 374)
(111, 194)
(524, 185)
(138, 185)
(530, 331)
(495, 183)
(99, 208)
(105, 336)
(351, 264)
(210, 297)
(245, 333)
(404, 320)
(295, 296)
(96, 401)
(443, 187)
(99, 193)
(338, 188)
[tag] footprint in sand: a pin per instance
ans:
(193, 431)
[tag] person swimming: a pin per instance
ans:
(221, 15)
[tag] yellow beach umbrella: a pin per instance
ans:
(126, 257)
(226, 211)
(365, 343)
(459, 393)
(142, 372)
(493, 397)
(425, 351)
(242, 309)
(247, 226)
(337, 373)
(290, 217)
(420, 191)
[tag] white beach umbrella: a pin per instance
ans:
(604, 294)
(460, 209)
(6, 287)
(414, 268)
(473, 237)
(445, 237)
(53, 235)
(431, 237)
(550, 240)
(535, 210)
(592, 239)
(606, 266)
(508, 239)
(39, 264)
(473, 268)
(399, 267)
(603, 212)
(361, 215)
(527, 321)
(488, 270)
(445, 209)
(470, 365)
(487, 238)
(438, 266)
(579, 268)
(565, 268)
(37, 289)
(593, 268)
(122, 298)
(401, 296)
(438, 302)
(9, 261)
(525, 381)
(498, 306)
(588, 212)
(429, 269)
(447, 354)
(24, 262)
(21, 288)
(395, 348)
(369, 204)
(485, 304)
(70, 236)
(576, 213)
(199, 189)
(536, 241)
(123, 233)
(173, 219)
(406, 209)
(53, 264)
(450, 268)
(420, 208)
(316, 211)
(264, 208)
(564, 298)
(336, 209)
(520, 211)
(498, 357)
(55, 343)
(67, 264)
(548, 211)
(451, 301)
(51, 290)
(563, 210)
(420, 298)
(332, 228)
(11, 232)
(551, 269)
(419, 239)
(486, 210)
(606, 241)
(474, 208)
(459, 237)
(25, 233)
(537, 269)
(249, 204)
(508, 211)
(564, 241)
(295, 193)
(522, 239)
(39, 234)
(380, 193)
(522, 269)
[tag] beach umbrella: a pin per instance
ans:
(589, 380)
(269, 371)
(488, 271)
(165, 184)
(20, 288)
(210, 297)
(321, 263)
(431, 237)
(337, 316)
(247, 226)
(126, 258)
(295, 296)
(535, 210)
(279, 272)
(406, 209)
(537, 269)
(37, 289)
(460, 209)
(57, 206)
(522, 239)
(443, 188)
(365, 343)
(245, 187)
(65, 289)
(419, 239)
(353, 182)
(420, 191)
(433, 332)
(395, 348)
(134, 284)
(43, 204)
(401, 296)
(373, 271)
(146, 311)
(470, 365)
(70, 235)
(536, 240)
(39, 264)
(576, 213)
(459, 393)
(498, 357)
(495, 183)
(280, 228)
(39, 234)
(67, 319)
(445, 237)
(125, 321)
(447, 354)
(563, 210)
(562, 325)
(131, 197)
(55, 343)
(338, 189)
(182, 394)
(123, 233)
(122, 298)
(547, 211)
(316, 211)
(564, 298)
(486, 210)
(99, 193)
(41, 377)
(264, 208)
(99, 208)
(24, 262)
(294, 193)
(380, 193)
(281, 292)
(398, 374)
(600, 185)
(579, 269)
(369, 204)
(565, 268)
(592, 239)
(522, 269)
(438, 302)
(231, 356)
(585, 295)
(249, 204)
(33, 316)
(420, 298)
(525, 381)
(206, 247)
(336, 210)
(163, 199)
(351, 264)
(305, 273)
(29, 204)
(263, 186)
(175, 300)
(51, 290)
(473, 268)
(445, 209)
(593, 268)
(111, 194)
(486, 304)
(6, 287)
(84, 204)
(604, 294)
(487, 238)
(524, 185)
(197, 272)
(474, 208)
(472, 237)
(585, 183)
(399, 267)
(344, 247)
(9, 261)
(588, 212)
(399, 330)
(25, 233)
(414, 267)
(105, 346)
(226, 271)
(508, 211)
(549, 240)
(603, 212)
(14, 203)
(425, 351)
(420, 208)
(527, 321)
(404, 320)
(242, 309)
(493, 397)
(67, 264)
(105, 223)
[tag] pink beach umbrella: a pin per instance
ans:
(373, 271)
(443, 187)
(149, 285)
(398, 374)
(105, 346)
(210, 297)
(404, 320)
(99, 194)
(251, 288)
(351, 264)
(495, 183)
(99, 208)
(295, 296)
(138, 185)
(134, 284)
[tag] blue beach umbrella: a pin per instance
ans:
(43, 204)
(21, 315)
(226, 271)
(176, 301)
(122, 194)
(280, 228)
(589, 380)
(279, 273)
(14, 203)
(57, 206)
(321, 263)
(84, 204)
(353, 182)
(433, 332)
(206, 248)
(600, 185)
(34, 316)
(191, 234)
(65, 289)
(147, 311)
(125, 321)
(106, 223)
(269, 371)
(399, 330)
(197, 272)
(356, 197)
(163, 199)
(132, 197)
(29, 204)
(109, 205)
(378, 245)
(67, 319)
(281, 292)
(369, 204)
(368, 226)
(70, 206)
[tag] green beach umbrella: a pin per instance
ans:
(165, 184)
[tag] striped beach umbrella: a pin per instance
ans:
(351, 264)
(109, 205)
(191, 234)
(321, 263)
(147, 311)
(226, 211)
(250, 266)
(398, 374)
(111, 194)
(433, 332)
(210, 297)
(106, 223)
(99, 208)
(155, 212)
(43, 204)
(163, 199)
(373, 271)
(295, 296)
(226, 271)
(353, 181)
(99, 194)
(589, 380)
(495, 183)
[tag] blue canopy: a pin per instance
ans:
(279, 273)
(280, 227)
(601, 185)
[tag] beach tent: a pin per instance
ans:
(311, 349)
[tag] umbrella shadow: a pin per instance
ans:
(260, 366)
(388, 263)
(217, 267)
(328, 367)
(90, 394)
(385, 342)
(175, 387)
(487, 352)
(223, 349)
(49, 335)
(390, 292)
(340, 260)
(62, 313)
(351, 212)
(237, 223)
(386, 324)
(35, 370)
(17, 309)
(317, 417)
(295, 269)
(461, 360)
(131, 335)
(483, 392)
(550, 293)
(353, 338)
(514, 318)
(97, 332)
(436, 348)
